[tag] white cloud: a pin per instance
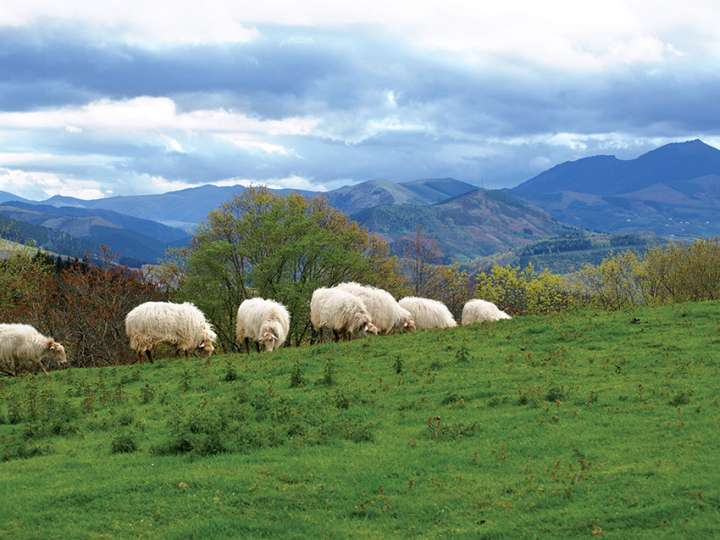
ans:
(288, 182)
(242, 140)
(41, 185)
(562, 33)
(147, 114)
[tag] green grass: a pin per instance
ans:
(540, 427)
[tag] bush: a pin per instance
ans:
(124, 444)
(526, 291)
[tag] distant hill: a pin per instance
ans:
(5, 196)
(183, 209)
(471, 225)
(671, 191)
(43, 237)
(354, 198)
(136, 240)
(568, 253)
(187, 208)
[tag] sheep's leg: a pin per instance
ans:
(247, 345)
(336, 335)
(43, 367)
(141, 357)
(149, 355)
(187, 354)
(257, 346)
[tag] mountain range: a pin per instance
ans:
(76, 231)
(673, 191)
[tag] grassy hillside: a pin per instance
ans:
(567, 254)
(564, 426)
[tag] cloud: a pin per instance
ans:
(39, 185)
(110, 99)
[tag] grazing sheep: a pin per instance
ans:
(22, 344)
(386, 313)
(428, 313)
(341, 312)
(482, 311)
(181, 325)
(265, 322)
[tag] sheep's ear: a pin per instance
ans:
(51, 344)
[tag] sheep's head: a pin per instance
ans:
(408, 324)
(206, 348)
(269, 340)
(56, 352)
(370, 328)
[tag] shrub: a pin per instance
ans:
(526, 291)
(296, 377)
(123, 444)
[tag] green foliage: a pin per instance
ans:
(262, 244)
(669, 274)
(124, 443)
(525, 291)
(296, 377)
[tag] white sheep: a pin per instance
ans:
(265, 322)
(21, 344)
(341, 312)
(482, 311)
(387, 315)
(182, 325)
(428, 313)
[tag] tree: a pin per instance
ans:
(420, 251)
(262, 244)
(449, 284)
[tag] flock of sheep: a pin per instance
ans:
(347, 310)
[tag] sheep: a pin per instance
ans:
(428, 313)
(182, 325)
(387, 315)
(21, 343)
(264, 321)
(482, 311)
(341, 312)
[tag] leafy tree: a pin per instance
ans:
(262, 244)
(449, 284)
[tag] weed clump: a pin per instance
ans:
(555, 393)
(147, 394)
(123, 444)
(462, 355)
(296, 377)
(230, 372)
(681, 398)
(328, 378)
(14, 447)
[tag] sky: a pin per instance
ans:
(100, 99)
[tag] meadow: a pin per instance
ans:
(560, 426)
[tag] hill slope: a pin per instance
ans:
(135, 240)
(471, 225)
(536, 427)
(358, 197)
(188, 207)
(673, 190)
(568, 253)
